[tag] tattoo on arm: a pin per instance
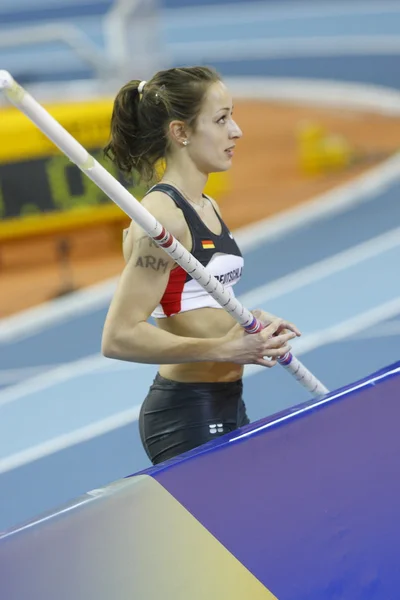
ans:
(145, 238)
(157, 264)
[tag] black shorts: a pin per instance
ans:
(176, 417)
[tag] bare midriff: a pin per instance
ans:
(200, 323)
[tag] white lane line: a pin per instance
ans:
(11, 376)
(384, 330)
(36, 319)
(78, 436)
(63, 373)
(322, 269)
(341, 331)
(16, 375)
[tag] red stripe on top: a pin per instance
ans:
(171, 301)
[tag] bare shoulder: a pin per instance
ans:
(165, 211)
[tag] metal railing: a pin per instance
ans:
(65, 33)
(131, 42)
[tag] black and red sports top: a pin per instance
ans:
(218, 253)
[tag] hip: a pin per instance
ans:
(175, 403)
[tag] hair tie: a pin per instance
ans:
(140, 88)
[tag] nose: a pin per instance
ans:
(235, 132)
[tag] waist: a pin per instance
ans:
(202, 372)
(223, 387)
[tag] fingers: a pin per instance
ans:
(278, 346)
(268, 319)
(277, 340)
(291, 327)
(286, 326)
(269, 360)
(275, 337)
(272, 328)
(278, 352)
(263, 362)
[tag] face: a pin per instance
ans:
(211, 144)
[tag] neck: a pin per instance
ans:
(188, 179)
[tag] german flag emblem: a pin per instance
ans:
(207, 244)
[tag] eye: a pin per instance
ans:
(222, 120)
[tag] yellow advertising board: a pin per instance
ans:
(42, 191)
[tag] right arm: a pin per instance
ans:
(128, 336)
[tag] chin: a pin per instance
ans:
(225, 166)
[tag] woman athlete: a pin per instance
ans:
(182, 116)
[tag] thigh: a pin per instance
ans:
(176, 417)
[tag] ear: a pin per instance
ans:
(178, 132)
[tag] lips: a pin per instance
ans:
(230, 150)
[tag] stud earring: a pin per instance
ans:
(185, 142)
